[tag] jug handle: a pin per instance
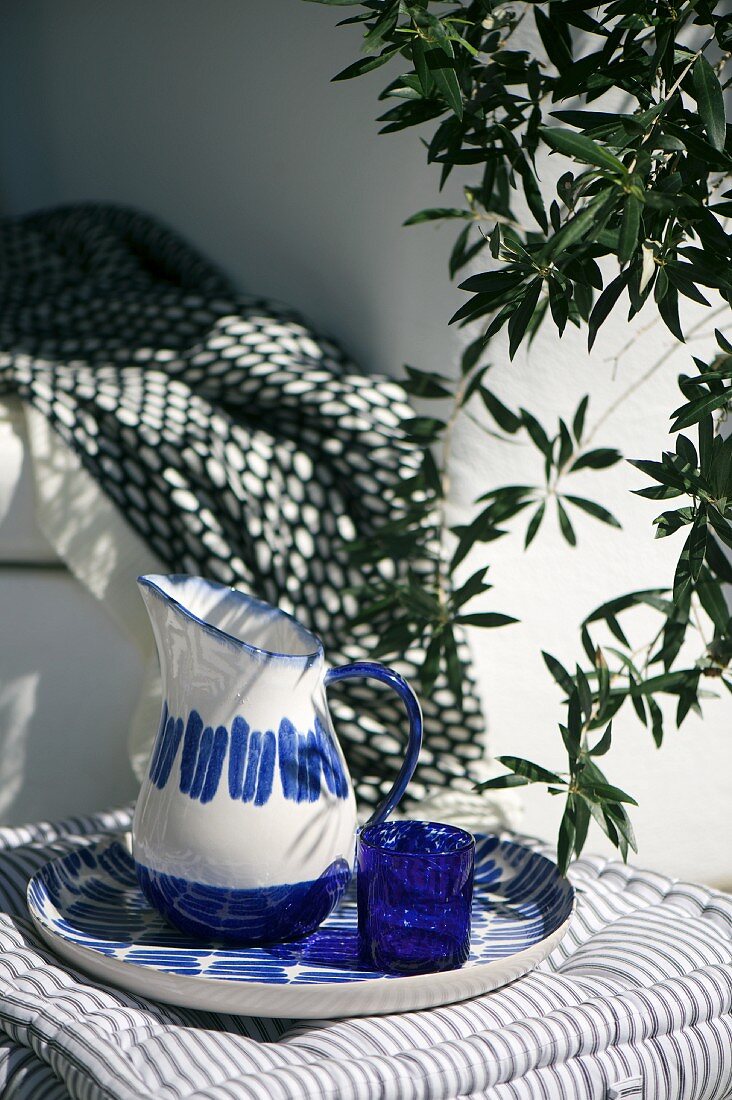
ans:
(414, 713)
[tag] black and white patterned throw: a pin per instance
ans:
(238, 443)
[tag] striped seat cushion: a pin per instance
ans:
(636, 1002)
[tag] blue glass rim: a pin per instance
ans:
(463, 841)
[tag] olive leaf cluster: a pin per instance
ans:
(638, 215)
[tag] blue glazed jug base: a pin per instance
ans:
(268, 914)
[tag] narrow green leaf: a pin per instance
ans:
(502, 415)
(582, 302)
(573, 231)
(688, 700)
(720, 470)
(492, 282)
(685, 286)
(710, 100)
(692, 555)
(426, 384)
(606, 792)
(718, 562)
(668, 307)
(723, 342)
(574, 715)
(438, 213)
(566, 446)
(555, 45)
(464, 249)
(705, 433)
(513, 491)
(637, 701)
(712, 600)
(453, 665)
(430, 669)
(580, 148)
(501, 782)
(475, 585)
(694, 411)
(533, 772)
(659, 471)
(534, 524)
(578, 424)
(520, 319)
(559, 672)
(603, 681)
(559, 299)
(581, 824)
(629, 227)
(565, 840)
(583, 693)
(675, 630)
(375, 608)
(604, 743)
(604, 305)
(592, 509)
(648, 596)
(534, 198)
(622, 824)
(565, 525)
(537, 433)
(598, 459)
(686, 450)
(587, 643)
(697, 545)
(698, 148)
(471, 356)
(364, 64)
(668, 523)
(445, 78)
(423, 428)
(571, 744)
(721, 526)
(601, 818)
(421, 68)
(656, 721)
(485, 619)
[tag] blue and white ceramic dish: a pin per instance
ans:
(89, 907)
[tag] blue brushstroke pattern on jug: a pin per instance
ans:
(247, 790)
(256, 760)
(270, 914)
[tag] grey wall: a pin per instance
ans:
(219, 117)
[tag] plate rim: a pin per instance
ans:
(303, 1000)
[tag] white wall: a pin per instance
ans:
(220, 118)
(67, 678)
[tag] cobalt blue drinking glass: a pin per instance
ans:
(415, 888)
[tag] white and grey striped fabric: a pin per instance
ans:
(636, 1002)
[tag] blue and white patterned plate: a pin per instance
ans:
(88, 907)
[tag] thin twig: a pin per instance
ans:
(656, 365)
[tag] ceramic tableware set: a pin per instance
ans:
(236, 889)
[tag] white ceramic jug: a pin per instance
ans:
(245, 824)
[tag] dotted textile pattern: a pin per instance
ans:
(240, 445)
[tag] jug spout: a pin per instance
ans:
(211, 638)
